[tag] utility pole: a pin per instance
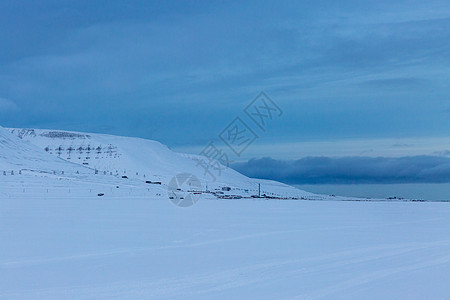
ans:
(259, 190)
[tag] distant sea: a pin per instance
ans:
(424, 191)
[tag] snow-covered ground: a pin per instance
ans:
(140, 247)
(60, 240)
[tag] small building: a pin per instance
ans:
(226, 188)
(152, 182)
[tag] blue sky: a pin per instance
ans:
(350, 73)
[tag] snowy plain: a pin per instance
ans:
(73, 247)
(60, 240)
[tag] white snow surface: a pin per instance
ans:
(59, 240)
(15, 154)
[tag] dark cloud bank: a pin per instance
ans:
(344, 170)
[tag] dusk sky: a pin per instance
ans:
(353, 78)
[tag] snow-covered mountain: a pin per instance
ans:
(138, 159)
(17, 154)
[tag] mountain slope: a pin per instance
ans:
(17, 154)
(142, 159)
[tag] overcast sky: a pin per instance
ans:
(351, 73)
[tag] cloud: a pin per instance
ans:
(443, 153)
(396, 83)
(7, 106)
(339, 67)
(401, 145)
(344, 170)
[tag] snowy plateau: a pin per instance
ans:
(88, 216)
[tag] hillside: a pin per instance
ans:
(143, 160)
(19, 155)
